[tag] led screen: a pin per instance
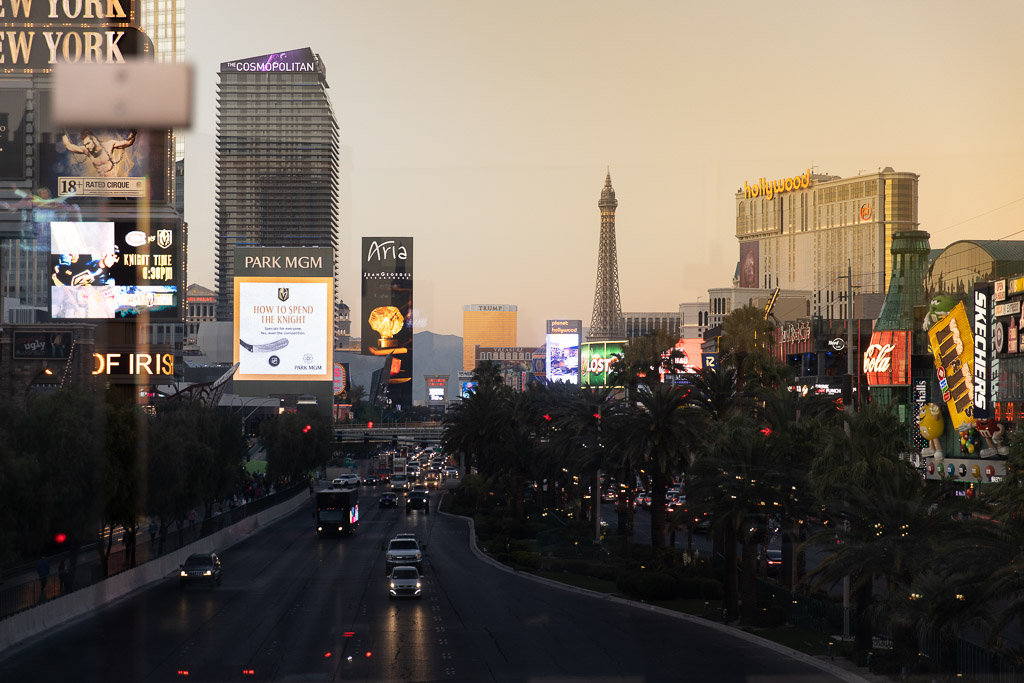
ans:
(435, 393)
(106, 270)
(563, 358)
(284, 328)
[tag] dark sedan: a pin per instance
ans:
(388, 500)
(201, 567)
(371, 480)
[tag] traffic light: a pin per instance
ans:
(307, 429)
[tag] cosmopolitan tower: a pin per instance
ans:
(277, 160)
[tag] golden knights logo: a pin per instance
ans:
(163, 238)
(282, 293)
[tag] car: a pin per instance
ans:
(433, 479)
(351, 479)
(371, 480)
(417, 500)
(400, 482)
(204, 567)
(451, 472)
(405, 582)
(384, 474)
(403, 552)
(388, 500)
(773, 559)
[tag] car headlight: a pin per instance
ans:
(319, 528)
(339, 528)
(208, 572)
(184, 573)
(392, 584)
(417, 584)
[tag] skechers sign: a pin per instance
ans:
(984, 359)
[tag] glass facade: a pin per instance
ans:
(491, 328)
(277, 167)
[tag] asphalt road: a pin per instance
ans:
(293, 607)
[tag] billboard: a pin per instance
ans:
(887, 359)
(750, 264)
(43, 345)
(341, 383)
(596, 361)
(120, 162)
(437, 388)
(113, 270)
(562, 357)
(688, 358)
(284, 313)
(386, 326)
(953, 347)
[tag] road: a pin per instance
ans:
(294, 607)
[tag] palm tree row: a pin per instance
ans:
(922, 562)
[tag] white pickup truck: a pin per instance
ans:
(403, 552)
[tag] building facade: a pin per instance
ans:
(639, 324)
(515, 363)
(487, 325)
(201, 308)
(803, 233)
(694, 319)
(277, 160)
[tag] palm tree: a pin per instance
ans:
(659, 431)
(745, 343)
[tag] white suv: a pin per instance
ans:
(401, 552)
(400, 482)
(347, 480)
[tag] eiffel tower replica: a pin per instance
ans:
(606, 323)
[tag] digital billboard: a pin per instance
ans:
(43, 345)
(986, 365)
(113, 270)
(953, 347)
(123, 162)
(342, 384)
(750, 264)
(562, 356)
(687, 358)
(437, 388)
(387, 300)
(887, 358)
(284, 313)
(597, 360)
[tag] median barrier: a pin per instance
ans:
(55, 612)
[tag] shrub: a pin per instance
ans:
(649, 585)
(524, 559)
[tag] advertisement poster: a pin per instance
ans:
(387, 306)
(562, 354)
(342, 383)
(101, 163)
(596, 361)
(953, 347)
(43, 345)
(284, 328)
(750, 265)
(887, 359)
(685, 357)
(107, 270)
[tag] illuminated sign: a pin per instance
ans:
(284, 323)
(985, 362)
(769, 188)
(137, 364)
(43, 345)
(106, 270)
(437, 388)
(387, 310)
(1015, 285)
(293, 61)
(596, 361)
(953, 346)
(865, 212)
(794, 333)
(999, 292)
(562, 351)
(687, 358)
(887, 358)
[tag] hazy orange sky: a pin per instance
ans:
(484, 131)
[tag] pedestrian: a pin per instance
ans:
(152, 532)
(63, 576)
(43, 569)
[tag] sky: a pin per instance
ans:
(484, 130)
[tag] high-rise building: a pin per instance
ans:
(606, 322)
(277, 160)
(801, 233)
(164, 23)
(492, 325)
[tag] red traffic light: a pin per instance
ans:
(60, 538)
(306, 429)
(369, 425)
